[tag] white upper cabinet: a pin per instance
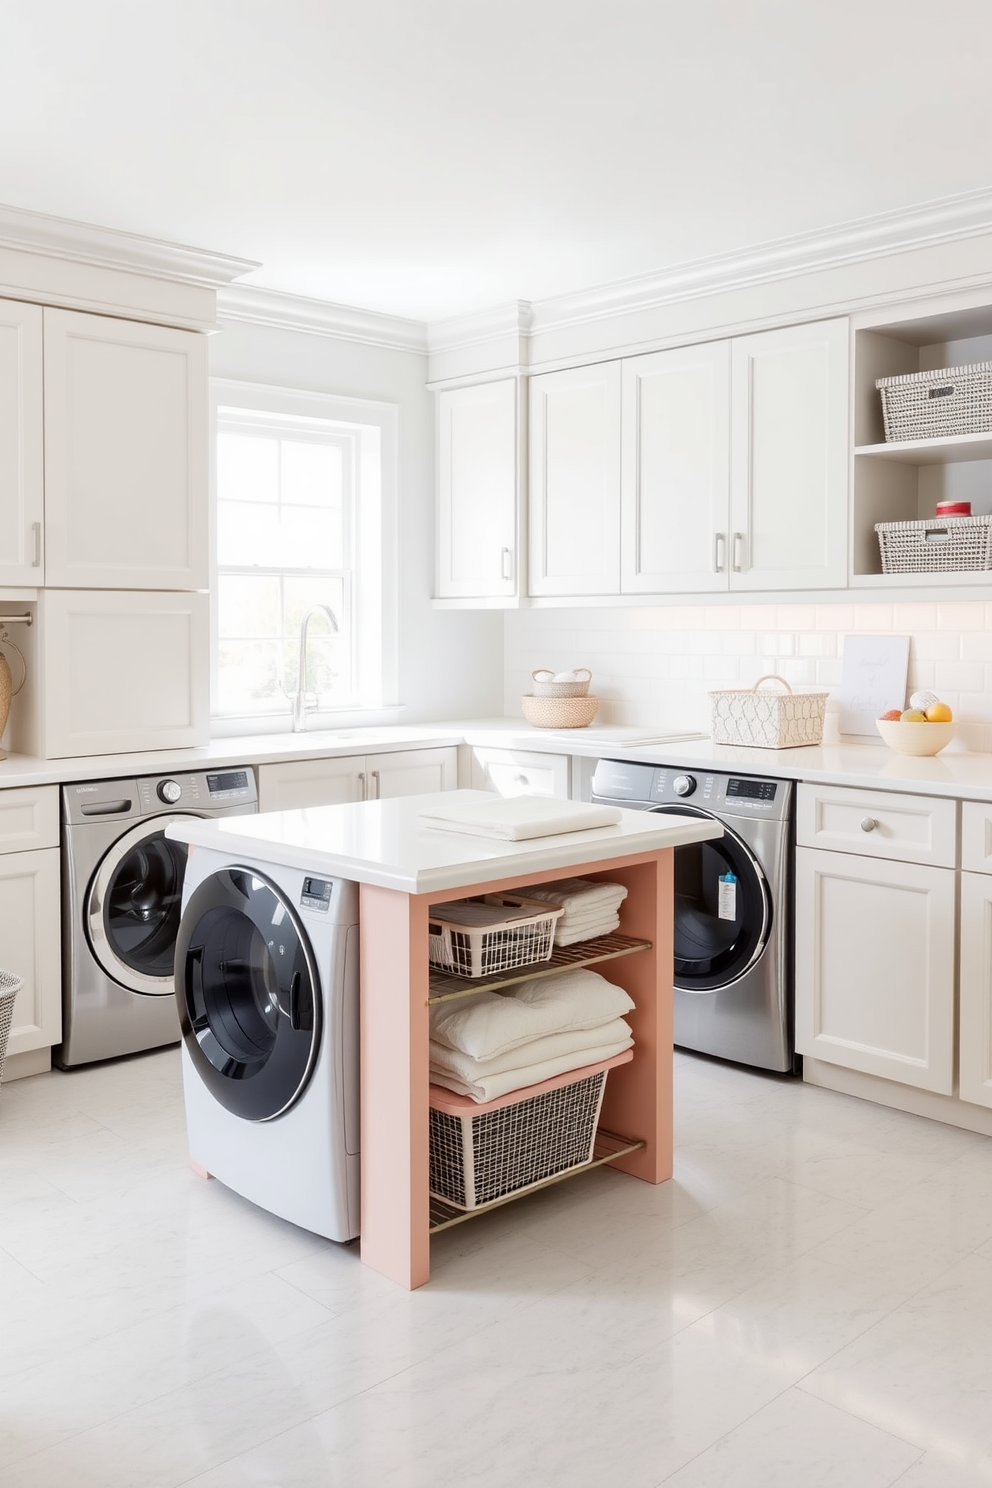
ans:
(21, 445)
(125, 454)
(789, 461)
(478, 481)
(574, 494)
(729, 459)
(675, 470)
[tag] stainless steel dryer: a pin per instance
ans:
(733, 977)
(122, 881)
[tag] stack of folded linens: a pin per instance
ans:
(590, 908)
(497, 1042)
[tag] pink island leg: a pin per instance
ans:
(395, 1163)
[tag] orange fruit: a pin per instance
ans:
(938, 713)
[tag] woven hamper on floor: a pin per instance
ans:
(767, 720)
(938, 405)
(10, 985)
(481, 1152)
(944, 545)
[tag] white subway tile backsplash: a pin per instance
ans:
(654, 666)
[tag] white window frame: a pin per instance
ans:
(375, 515)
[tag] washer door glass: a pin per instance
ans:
(247, 991)
(716, 942)
(133, 906)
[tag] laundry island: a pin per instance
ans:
(404, 868)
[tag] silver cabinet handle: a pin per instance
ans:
(520, 780)
(719, 552)
(740, 553)
(868, 824)
(361, 781)
(506, 563)
(36, 539)
(376, 793)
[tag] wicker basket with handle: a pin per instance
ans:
(767, 720)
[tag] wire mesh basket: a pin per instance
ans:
(941, 545)
(479, 1153)
(937, 405)
(475, 937)
(10, 985)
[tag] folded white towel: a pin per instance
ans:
(553, 1046)
(492, 1023)
(517, 818)
(579, 895)
(579, 922)
(587, 932)
(490, 1087)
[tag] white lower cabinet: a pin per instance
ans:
(294, 784)
(29, 914)
(875, 933)
(875, 966)
(975, 1072)
(515, 772)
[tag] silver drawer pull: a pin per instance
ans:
(868, 824)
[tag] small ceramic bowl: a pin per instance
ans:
(915, 738)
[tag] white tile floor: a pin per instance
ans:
(807, 1302)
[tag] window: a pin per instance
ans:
(302, 485)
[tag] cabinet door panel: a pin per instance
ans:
(875, 966)
(789, 491)
(320, 782)
(675, 477)
(21, 445)
(125, 454)
(575, 481)
(976, 836)
(411, 772)
(122, 670)
(29, 818)
(477, 491)
(30, 940)
(975, 1060)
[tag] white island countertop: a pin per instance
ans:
(383, 843)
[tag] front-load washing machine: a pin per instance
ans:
(267, 991)
(122, 884)
(733, 909)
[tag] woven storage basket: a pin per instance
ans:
(937, 405)
(10, 985)
(480, 1152)
(545, 685)
(559, 713)
(767, 720)
(944, 545)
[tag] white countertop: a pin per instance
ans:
(381, 842)
(960, 776)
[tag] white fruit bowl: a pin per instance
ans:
(915, 738)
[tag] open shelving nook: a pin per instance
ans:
(445, 987)
(903, 481)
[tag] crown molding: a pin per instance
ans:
(929, 224)
(82, 242)
(288, 312)
(513, 319)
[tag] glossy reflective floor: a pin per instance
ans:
(808, 1302)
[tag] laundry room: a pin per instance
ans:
(495, 745)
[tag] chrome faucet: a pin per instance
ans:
(300, 699)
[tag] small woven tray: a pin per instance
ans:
(938, 405)
(941, 545)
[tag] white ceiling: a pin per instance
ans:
(432, 157)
